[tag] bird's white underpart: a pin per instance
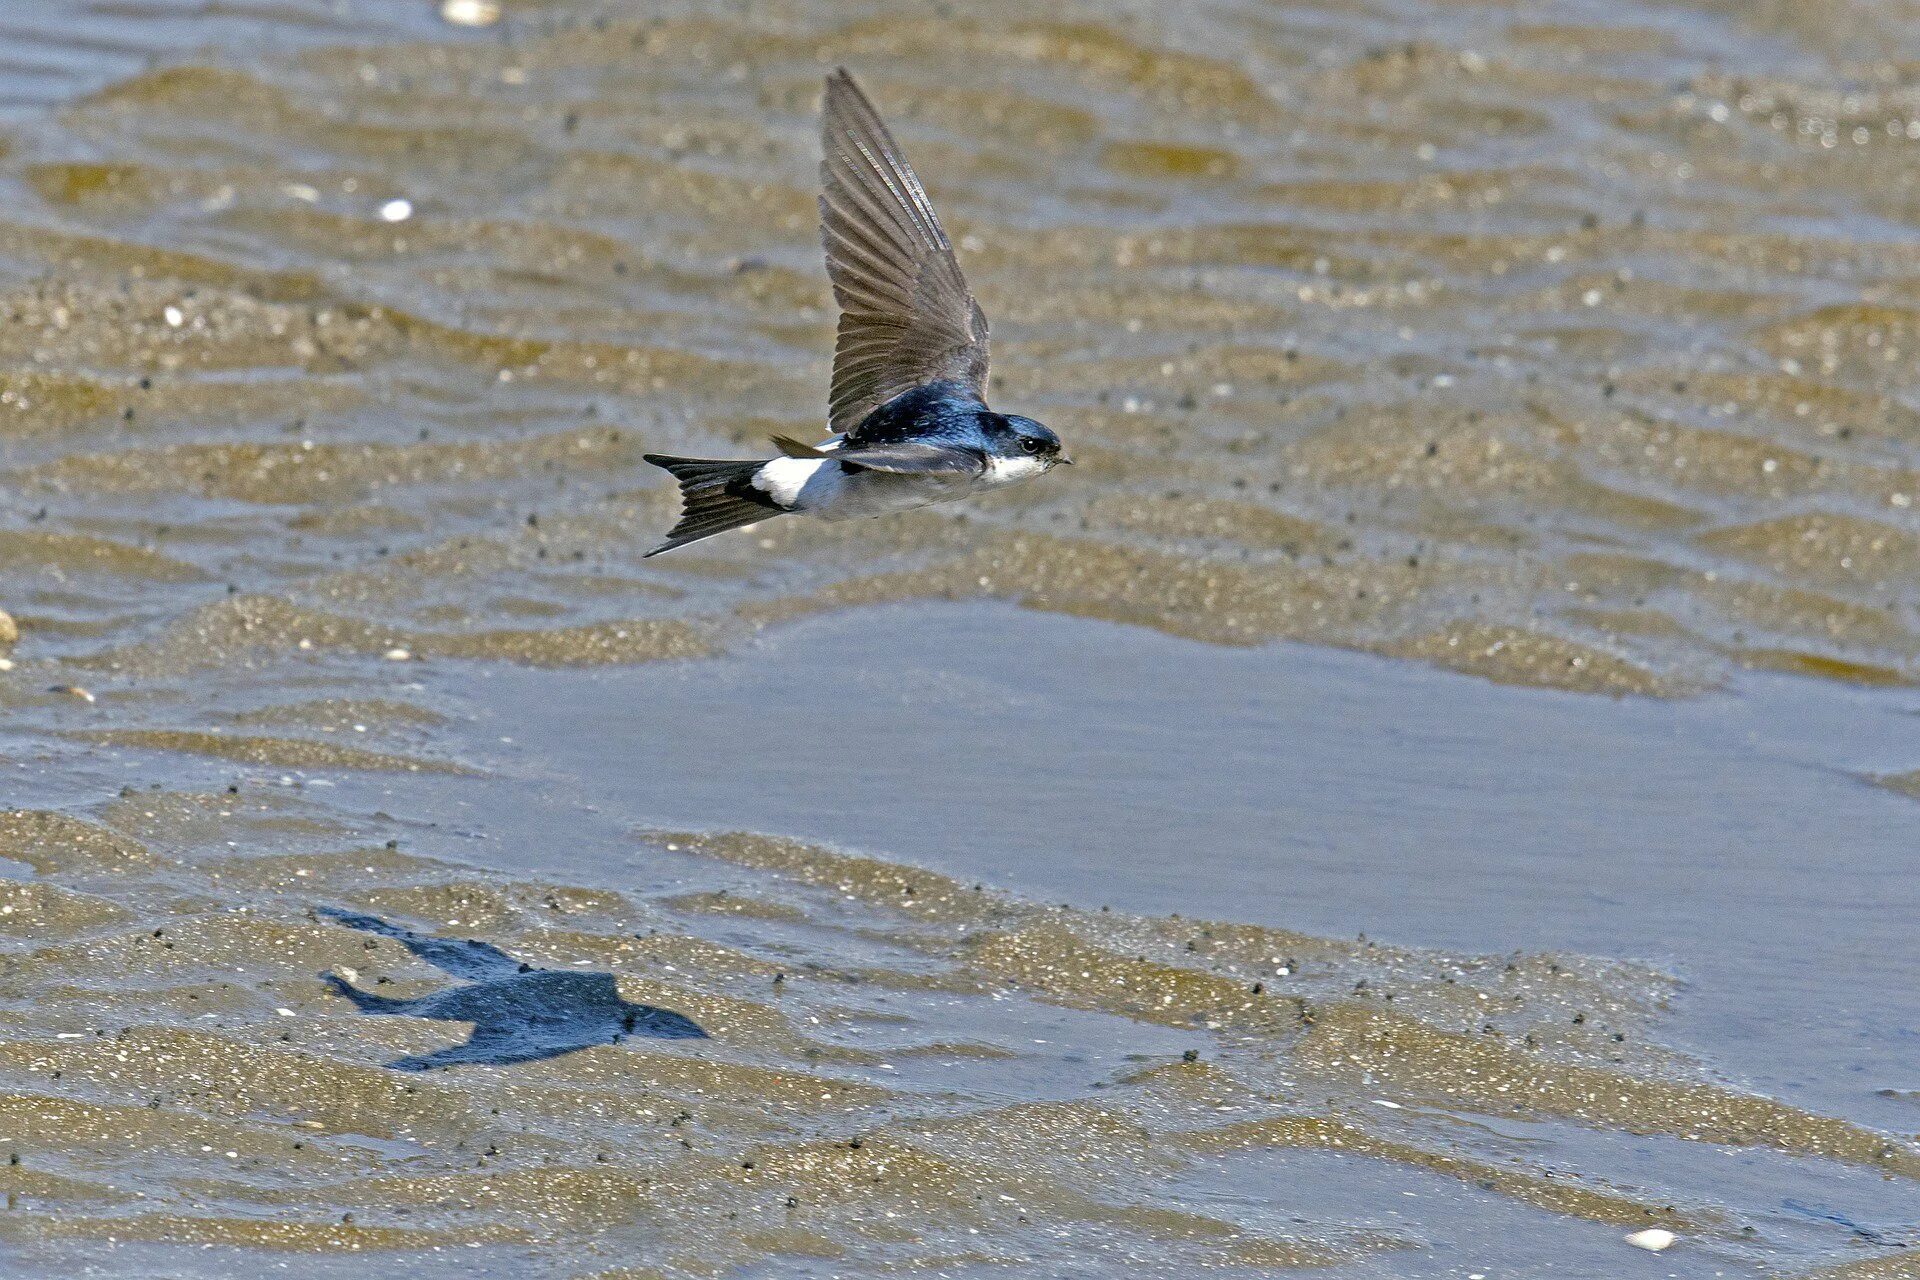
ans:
(824, 488)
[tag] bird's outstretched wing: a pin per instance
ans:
(906, 316)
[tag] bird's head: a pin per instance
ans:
(1025, 438)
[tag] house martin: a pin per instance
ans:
(907, 406)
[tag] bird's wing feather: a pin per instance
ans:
(913, 457)
(792, 448)
(906, 316)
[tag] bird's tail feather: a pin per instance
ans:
(715, 497)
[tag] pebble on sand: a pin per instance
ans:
(397, 654)
(470, 13)
(71, 691)
(9, 632)
(1653, 1239)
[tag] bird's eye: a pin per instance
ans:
(1029, 444)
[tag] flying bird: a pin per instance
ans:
(907, 406)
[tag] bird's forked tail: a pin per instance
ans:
(715, 497)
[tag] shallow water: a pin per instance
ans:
(1731, 839)
(1564, 347)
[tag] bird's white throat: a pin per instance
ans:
(1010, 470)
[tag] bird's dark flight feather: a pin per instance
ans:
(914, 457)
(906, 316)
(905, 457)
(792, 448)
(715, 496)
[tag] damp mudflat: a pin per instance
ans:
(968, 933)
(1427, 795)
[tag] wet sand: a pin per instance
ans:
(1429, 795)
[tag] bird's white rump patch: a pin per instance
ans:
(798, 484)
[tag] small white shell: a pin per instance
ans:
(470, 13)
(1653, 1239)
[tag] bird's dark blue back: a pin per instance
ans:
(937, 413)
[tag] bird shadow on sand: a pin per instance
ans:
(519, 1013)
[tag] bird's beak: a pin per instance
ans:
(1064, 460)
